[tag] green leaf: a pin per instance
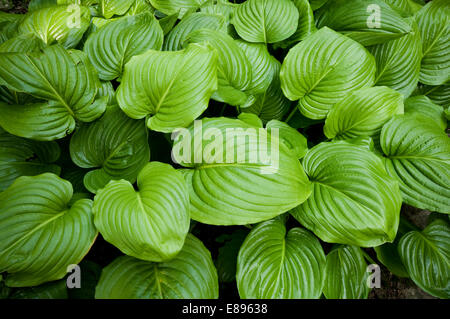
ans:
(40, 234)
(113, 45)
(168, 22)
(22, 157)
(426, 256)
(418, 156)
(50, 290)
(180, 7)
(422, 105)
(434, 24)
(398, 62)
(367, 21)
(346, 274)
(234, 69)
(354, 201)
(274, 263)
(110, 8)
(115, 145)
(22, 43)
(220, 7)
(363, 113)
(316, 4)
(321, 70)
(190, 275)
(272, 104)
(107, 90)
(140, 6)
(151, 223)
(259, 20)
(62, 24)
(178, 91)
(40, 4)
(437, 94)
(306, 23)
(71, 92)
(232, 183)
(176, 38)
(405, 7)
(290, 137)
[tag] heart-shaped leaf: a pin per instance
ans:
(353, 201)
(41, 231)
(274, 263)
(71, 92)
(322, 69)
(176, 93)
(259, 20)
(113, 45)
(151, 223)
(426, 256)
(190, 275)
(233, 180)
(418, 156)
(115, 145)
(346, 276)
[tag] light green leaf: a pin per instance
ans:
(346, 274)
(398, 62)
(238, 183)
(71, 92)
(353, 201)
(363, 113)
(274, 263)
(180, 7)
(113, 45)
(367, 21)
(140, 6)
(190, 275)
(22, 43)
(422, 105)
(434, 24)
(62, 24)
(418, 156)
(272, 104)
(107, 90)
(426, 256)
(40, 4)
(151, 223)
(110, 8)
(40, 233)
(259, 20)
(220, 7)
(437, 94)
(176, 38)
(234, 69)
(290, 137)
(22, 157)
(321, 70)
(176, 93)
(306, 23)
(115, 145)
(405, 7)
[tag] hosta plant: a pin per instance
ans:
(214, 148)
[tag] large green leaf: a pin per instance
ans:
(398, 62)
(272, 104)
(70, 92)
(366, 21)
(346, 276)
(274, 263)
(234, 70)
(190, 275)
(113, 45)
(363, 113)
(434, 24)
(62, 24)
(353, 201)
(151, 223)
(322, 69)
(420, 104)
(110, 8)
(22, 157)
(180, 7)
(41, 234)
(439, 94)
(174, 88)
(259, 20)
(418, 156)
(176, 38)
(115, 145)
(426, 256)
(232, 183)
